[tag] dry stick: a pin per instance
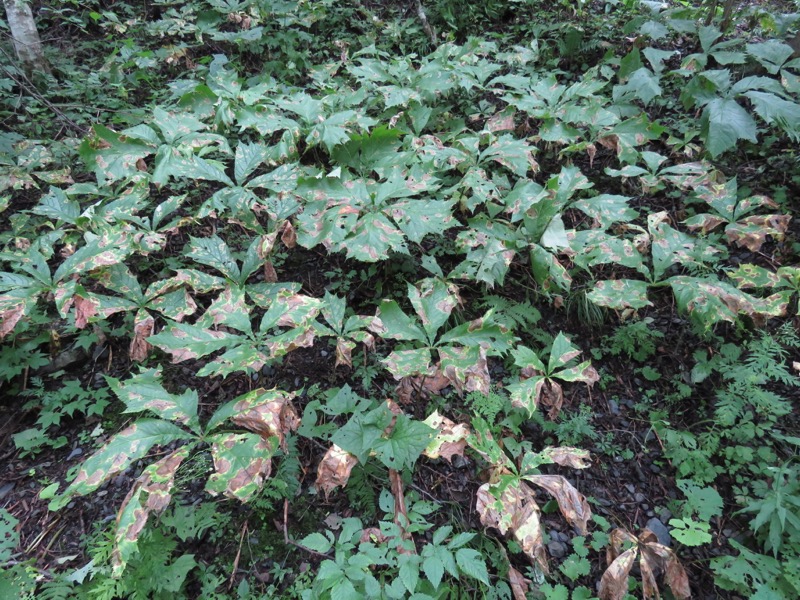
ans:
(426, 26)
(238, 554)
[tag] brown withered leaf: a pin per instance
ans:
(400, 511)
(659, 559)
(267, 243)
(610, 142)
(519, 584)
(344, 349)
(515, 512)
(85, 309)
(568, 457)
(614, 582)
(372, 535)
(552, 396)
(450, 439)
(421, 387)
(142, 329)
(10, 318)
(334, 469)
(289, 236)
(571, 502)
(270, 274)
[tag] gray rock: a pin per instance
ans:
(6, 489)
(639, 497)
(662, 533)
(557, 549)
(631, 489)
(613, 407)
(655, 469)
(665, 515)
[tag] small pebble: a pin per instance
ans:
(660, 530)
(323, 353)
(613, 407)
(618, 459)
(639, 497)
(655, 469)
(630, 488)
(557, 549)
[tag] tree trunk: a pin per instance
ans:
(26, 38)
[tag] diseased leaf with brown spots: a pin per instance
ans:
(334, 469)
(450, 439)
(567, 457)
(242, 461)
(151, 493)
(466, 368)
(185, 342)
(571, 502)
(421, 386)
(145, 392)
(269, 414)
(122, 449)
(751, 232)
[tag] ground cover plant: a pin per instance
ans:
(400, 300)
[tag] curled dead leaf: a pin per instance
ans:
(142, 329)
(571, 502)
(519, 584)
(614, 582)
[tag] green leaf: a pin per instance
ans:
(607, 209)
(360, 434)
(241, 462)
(409, 571)
(121, 450)
(723, 123)
(471, 563)
(432, 565)
(418, 217)
(144, 392)
(772, 54)
(318, 542)
(248, 159)
(776, 110)
(404, 444)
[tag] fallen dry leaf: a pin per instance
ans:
(568, 457)
(334, 469)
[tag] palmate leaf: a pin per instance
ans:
(418, 218)
(150, 494)
(242, 461)
(360, 434)
(434, 301)
(122, 449)
(403, 446)
(488, 257)
(723, 123)
(145, 392)
(392, 323)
